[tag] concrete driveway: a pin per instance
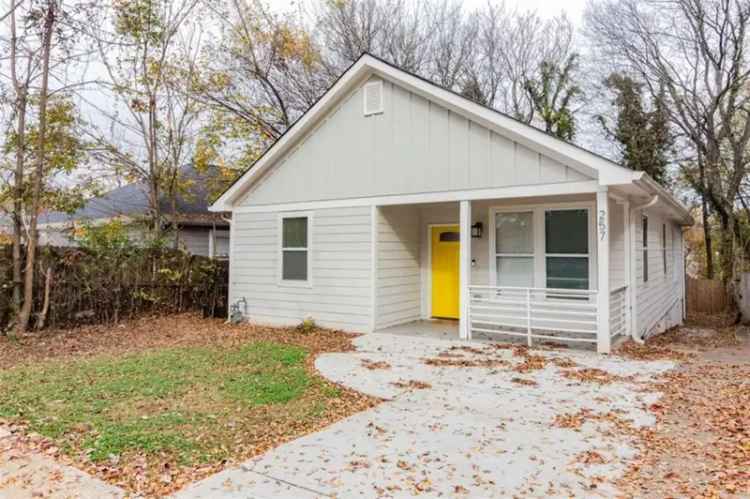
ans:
(482, 422)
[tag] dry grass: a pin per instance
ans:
(160, 402)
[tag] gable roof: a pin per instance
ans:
(574, 156)
(132, 201)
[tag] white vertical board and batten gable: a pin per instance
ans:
(365, 149)
(412, 145)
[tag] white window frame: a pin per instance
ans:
(293, 282)
(493, 247)
(591, 243)
(540, 254)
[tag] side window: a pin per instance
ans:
(664, 248)
(294, 249)
(644, 226)
(567, 248)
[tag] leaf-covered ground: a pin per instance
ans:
(156, 403)
(700, 446)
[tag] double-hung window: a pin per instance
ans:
(295, 249)
(566, 251)
(543, 247)
(514, 249)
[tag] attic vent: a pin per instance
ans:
(373, 98)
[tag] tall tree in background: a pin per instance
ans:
(510, 50)
(138, 43)
(42, 139)
(553, 94)
(20, 108)
(643, 134)
(261, 74)
(695, 50)
(267, 68)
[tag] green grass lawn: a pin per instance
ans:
(188, 405)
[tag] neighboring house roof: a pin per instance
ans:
(586, 162)
(132, 201)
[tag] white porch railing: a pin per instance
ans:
(618, 311)
(534, 313)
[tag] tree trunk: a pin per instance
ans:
(36, 194)
(726, 249)
(707, 239)
(21, 108)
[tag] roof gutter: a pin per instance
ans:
(645, 182)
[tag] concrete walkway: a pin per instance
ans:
(25, 475)
(475, 432)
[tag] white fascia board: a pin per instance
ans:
(522, 191)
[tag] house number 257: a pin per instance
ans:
(602, 224)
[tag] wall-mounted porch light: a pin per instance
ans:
(476, 230)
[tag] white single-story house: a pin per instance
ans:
(393, 200)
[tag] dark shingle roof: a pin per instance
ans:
(132, 200)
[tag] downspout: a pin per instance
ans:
(633, 277)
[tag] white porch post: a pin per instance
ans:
(464, 327)
(374, 220)
(627, 248)
(602, 247)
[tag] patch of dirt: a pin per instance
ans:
(572, 421)
(589, 457)
(458, 362)
(524, 381)
(154, 477)
(530, 363)
(700, 446)
(412, 384)
(592, 375)
(649, 351)
(373, 365)
(182, 330)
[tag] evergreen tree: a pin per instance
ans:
(643, 134)
(552, 95)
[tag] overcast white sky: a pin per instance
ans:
(545, 8)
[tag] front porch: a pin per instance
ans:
(526, 268)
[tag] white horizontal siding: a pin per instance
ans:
(617, 250)
(414, 146)
(340, 296)
(660, 298)
(398, 272)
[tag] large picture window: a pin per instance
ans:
(514, 249)
(567, 248)
(543, 247)
(294, 249)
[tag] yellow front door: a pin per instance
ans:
(445, 246)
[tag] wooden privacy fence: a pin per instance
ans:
(75, 286)
(706, 296)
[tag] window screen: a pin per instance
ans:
(514, 249)
(567, 248)
(294, 248)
